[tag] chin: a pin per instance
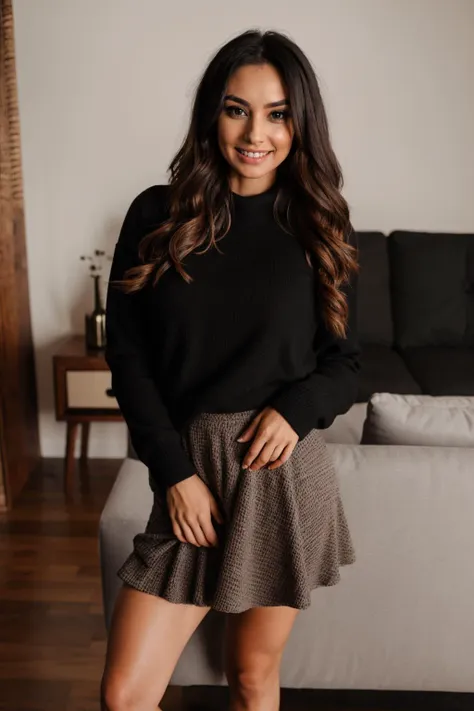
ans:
(251, 171)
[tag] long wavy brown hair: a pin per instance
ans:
(308, 204)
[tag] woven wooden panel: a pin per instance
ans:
(19, 438)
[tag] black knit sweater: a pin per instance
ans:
(244, 334)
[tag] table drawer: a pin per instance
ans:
(87, 389)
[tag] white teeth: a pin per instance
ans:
(254, 155)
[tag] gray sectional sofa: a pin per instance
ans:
(402, 616)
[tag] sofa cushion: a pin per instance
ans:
(373, 292)
(442, 370)
(432, 288)
(383, 370)
(131, 454)
(347, 428)
(419, 420)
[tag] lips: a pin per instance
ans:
(252, 160)
(244, 152)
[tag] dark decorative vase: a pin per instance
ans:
(95, 322)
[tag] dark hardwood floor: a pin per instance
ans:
(52, 633)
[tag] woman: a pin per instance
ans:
(232, 344)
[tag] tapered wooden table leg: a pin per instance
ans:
(72, 428)
(85, 440)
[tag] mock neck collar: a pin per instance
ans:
(255, 204)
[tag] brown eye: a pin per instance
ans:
(280, 115)
(230, 110)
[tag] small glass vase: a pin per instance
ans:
(95, 321)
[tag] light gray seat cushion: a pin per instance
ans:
(347, 428)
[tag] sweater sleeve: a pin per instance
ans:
(155, 440)
(331, 389)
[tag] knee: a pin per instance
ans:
(255, 677)
(115, 694)
(118, 694)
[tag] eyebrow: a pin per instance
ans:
(272, 104)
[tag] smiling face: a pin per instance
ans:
(254, 129)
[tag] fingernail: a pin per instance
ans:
(244, 466)
(239, 439)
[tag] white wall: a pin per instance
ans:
(105, 88)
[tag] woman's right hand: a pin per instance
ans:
(190, 505)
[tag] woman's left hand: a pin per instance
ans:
(274, 440)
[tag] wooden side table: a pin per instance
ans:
(83, 394)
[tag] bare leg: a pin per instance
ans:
(147, 636)
(254, 648)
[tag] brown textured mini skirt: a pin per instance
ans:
(285, 531)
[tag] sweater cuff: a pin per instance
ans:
(170, 464)
(291, 409)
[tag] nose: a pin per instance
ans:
(254, 134)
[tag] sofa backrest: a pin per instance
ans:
(374, 311)
(432, 288)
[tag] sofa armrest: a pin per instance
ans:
(125, 514)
